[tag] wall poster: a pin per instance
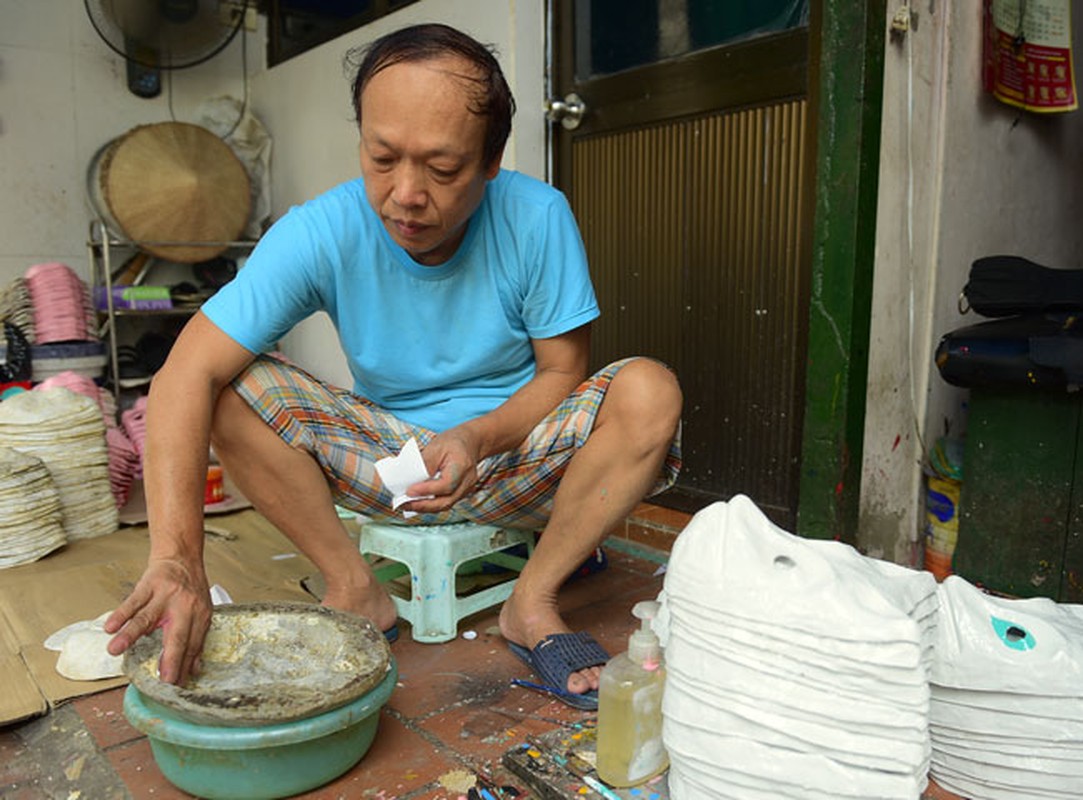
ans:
(1027, 54)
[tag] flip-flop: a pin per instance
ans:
(392, 633)
(556, 657)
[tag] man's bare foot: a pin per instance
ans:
(527, 623)
(373, 603)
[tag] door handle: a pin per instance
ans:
(569, 111)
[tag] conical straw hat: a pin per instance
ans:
(175, 182)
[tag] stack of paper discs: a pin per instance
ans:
(123, 459)
(65, 430)
(17, 307)
(84, 385)
(29, 509)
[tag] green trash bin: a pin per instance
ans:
(1021, 505)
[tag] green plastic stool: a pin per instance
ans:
(432, 554)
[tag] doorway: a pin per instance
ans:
(683, 146)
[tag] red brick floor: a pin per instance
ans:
(452, 711)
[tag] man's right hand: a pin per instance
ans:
(174, 596)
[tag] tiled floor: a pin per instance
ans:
(452, 711)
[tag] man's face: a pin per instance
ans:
(421, 155)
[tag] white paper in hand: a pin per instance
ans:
(402, 471)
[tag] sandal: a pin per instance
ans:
(556, 657)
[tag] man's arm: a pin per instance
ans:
(173, 593)
(560, 365)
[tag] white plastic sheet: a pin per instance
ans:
(251, 143)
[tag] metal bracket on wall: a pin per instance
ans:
(903, 20)
(229, 9)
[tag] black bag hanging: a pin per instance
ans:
(1043, 351)
(1005, 286)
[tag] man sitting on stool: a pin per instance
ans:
(463, 303)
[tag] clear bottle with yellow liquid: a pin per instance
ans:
(630, 749)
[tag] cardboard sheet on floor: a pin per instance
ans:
(135, 510)
(20, 698)
(245, 554)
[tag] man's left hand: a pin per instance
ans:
(451, 456)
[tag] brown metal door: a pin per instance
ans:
(686, 172)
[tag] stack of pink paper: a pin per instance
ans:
(124, 463)
(62, 310)
(134, 423)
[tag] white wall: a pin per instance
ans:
(63, 94)
(961, 176)
(305, 103)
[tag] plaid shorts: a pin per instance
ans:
(347, 434)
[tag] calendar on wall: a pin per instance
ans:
(1027, 54)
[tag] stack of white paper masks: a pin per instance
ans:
(66, 431)
(1007, 696)
(795, 668)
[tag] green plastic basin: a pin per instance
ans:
(280, 760)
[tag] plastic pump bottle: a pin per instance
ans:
(630, 749)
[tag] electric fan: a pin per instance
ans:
(154, 35)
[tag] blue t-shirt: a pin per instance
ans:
(436, 346)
